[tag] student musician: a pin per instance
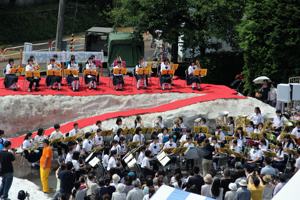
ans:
(53, 80)
(141, 77)
(72, 79)
(146, 167)
(91, 79)
(31, 67)
(118, 80)
(165, 79)
(138, 136)
(193, 79)
(11, 78)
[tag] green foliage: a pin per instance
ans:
(20, 24)
(269, 35)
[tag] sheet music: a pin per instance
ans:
(161, 155)
(164, 161)
(89, 157)
(94, 161)
(131, 163)
(128, 158)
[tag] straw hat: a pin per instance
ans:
(267, 178)
(232, 186)
(243, 182)
(208, 178)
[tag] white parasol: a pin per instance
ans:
(261, 79)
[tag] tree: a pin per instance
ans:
(269, 36)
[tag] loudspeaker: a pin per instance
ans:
(284, 92)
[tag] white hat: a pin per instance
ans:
(120, 187)
(208, 178)
(232, 186)
(243, 182)
(116, 178)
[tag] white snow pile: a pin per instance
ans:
(209, 110)
(19, 114)
(23, 184)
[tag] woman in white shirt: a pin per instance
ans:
(53, 80)
(193, 79)
(257, 117)
(112, 163)
(278, 121)
(165, 79)
(139, 77)
(146, 167)
(118, 125)
(98, 138)
(75, 161)
(91, 79)
(118, 80)
(30, 67)
(31, 155)
(138, 136)
(11, 79)
(39, 138)
(73, 78)
(105, 158)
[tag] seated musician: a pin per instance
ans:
(112, 165)
(91, 79)
(118, 80)
(57, 135)
(154, 147)
(98, 138)
(255, 156)
(164, 136)
(280, 160)
(39, 138)
(53, 80)
(193, 79)
(72, 79)
(146, 167)
(96, 126)
(219, 132)
(123, 146)
(189, 144)
(118, 135)
(165, 79)
(11, 78)
(141, 77)
(288, 142)
(75, 130)
(119, 124)
(296, 130)
(138, 136)
(30, 153)
(239, 134)
(30, 67)
(158, 122)
(278, 122)
(170, 143)
(116, 147)
(87, 143)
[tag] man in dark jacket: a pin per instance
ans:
(67, 180)
(196, 180)
(6, 169)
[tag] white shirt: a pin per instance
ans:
(183, 138)
(53, 67)
(94, 128)
(39, 140)
(76, 165)
(73, 132)
(56, 135)
(69, 157)
(278, 121)
(295, 132)
(154, 148)
(29, 68)
(27, 144)
(145, 163)
(116, 128)
(191, 145)
(123, 149)
(8, 68)
(138, 138)
(73, 66)
(117, 138)
(98, 140)
(105, 160)
(191, 69)
(116, 148)
(257, 118)
(164, 67)
(255, 154)
(143, 65)
(159, 124)
(170, 145)
(141, 157)
(90, 66)
(111, 163)
(221, 134)
(87, 145)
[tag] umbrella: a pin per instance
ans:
(261, 79)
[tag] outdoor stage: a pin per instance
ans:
(208, 92)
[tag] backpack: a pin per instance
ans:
(1, 144)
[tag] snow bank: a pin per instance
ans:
(209, 110)
(23, 184)
(19, 114)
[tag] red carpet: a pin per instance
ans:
(211, 92)
(105, 87)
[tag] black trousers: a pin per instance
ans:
(32, 81)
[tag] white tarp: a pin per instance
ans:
(291, 189)
(62, 56)
(170, 193)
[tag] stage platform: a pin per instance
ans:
(208, 92)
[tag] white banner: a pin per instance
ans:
(45, 56)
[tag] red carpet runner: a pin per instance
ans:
(210, 92)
